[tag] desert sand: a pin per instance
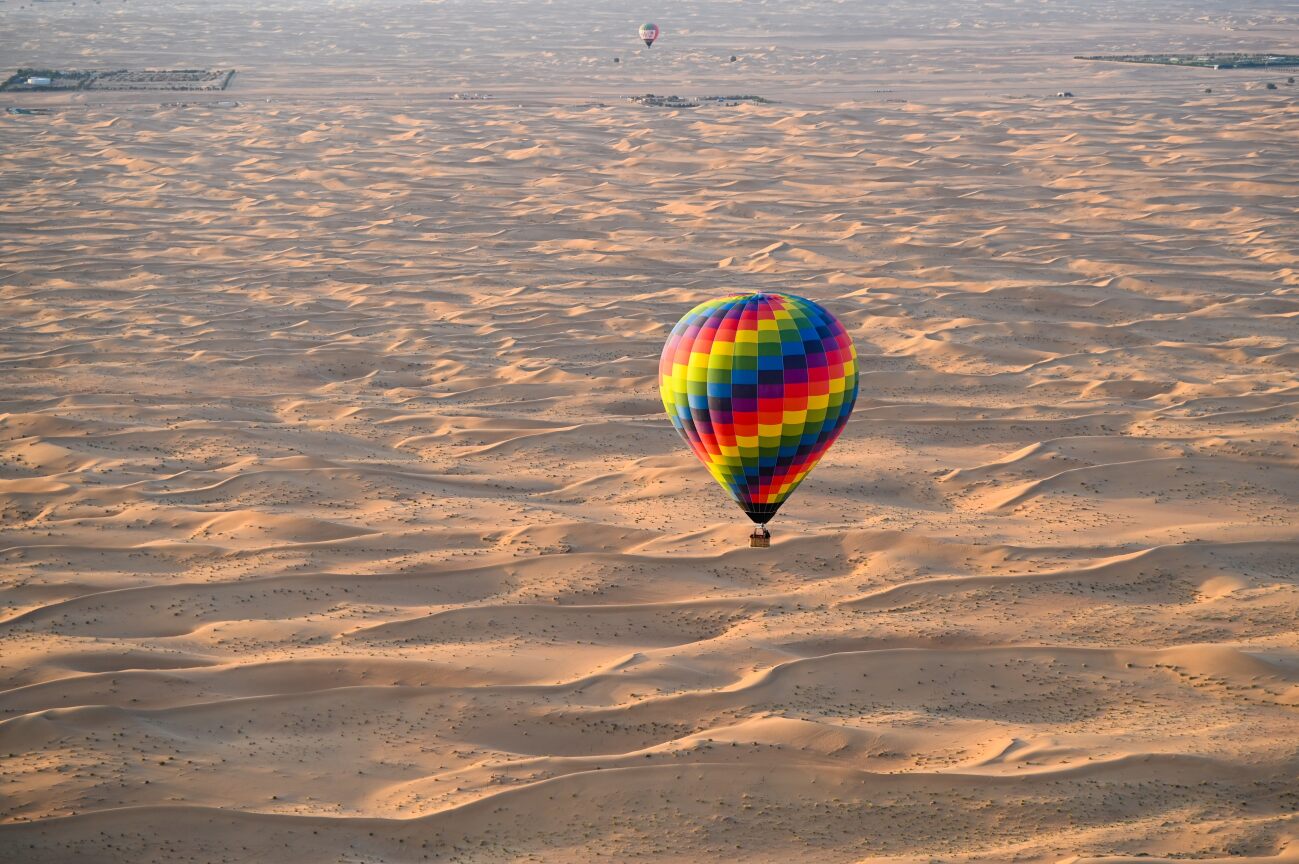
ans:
(341, 521)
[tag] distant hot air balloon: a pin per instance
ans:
(649, 32)
(760, 386)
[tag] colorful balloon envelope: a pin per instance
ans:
(760, 386)
(649, 32)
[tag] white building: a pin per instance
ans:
(39, 82)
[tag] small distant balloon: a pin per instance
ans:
(649, 32)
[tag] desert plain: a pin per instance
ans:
(340, 520)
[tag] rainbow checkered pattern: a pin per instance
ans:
(760, 386)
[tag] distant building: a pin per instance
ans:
(36, 81)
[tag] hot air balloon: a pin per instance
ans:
(759, 386)
(649, 32)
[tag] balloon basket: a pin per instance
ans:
(760, 538)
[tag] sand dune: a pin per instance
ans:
(339, 519)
